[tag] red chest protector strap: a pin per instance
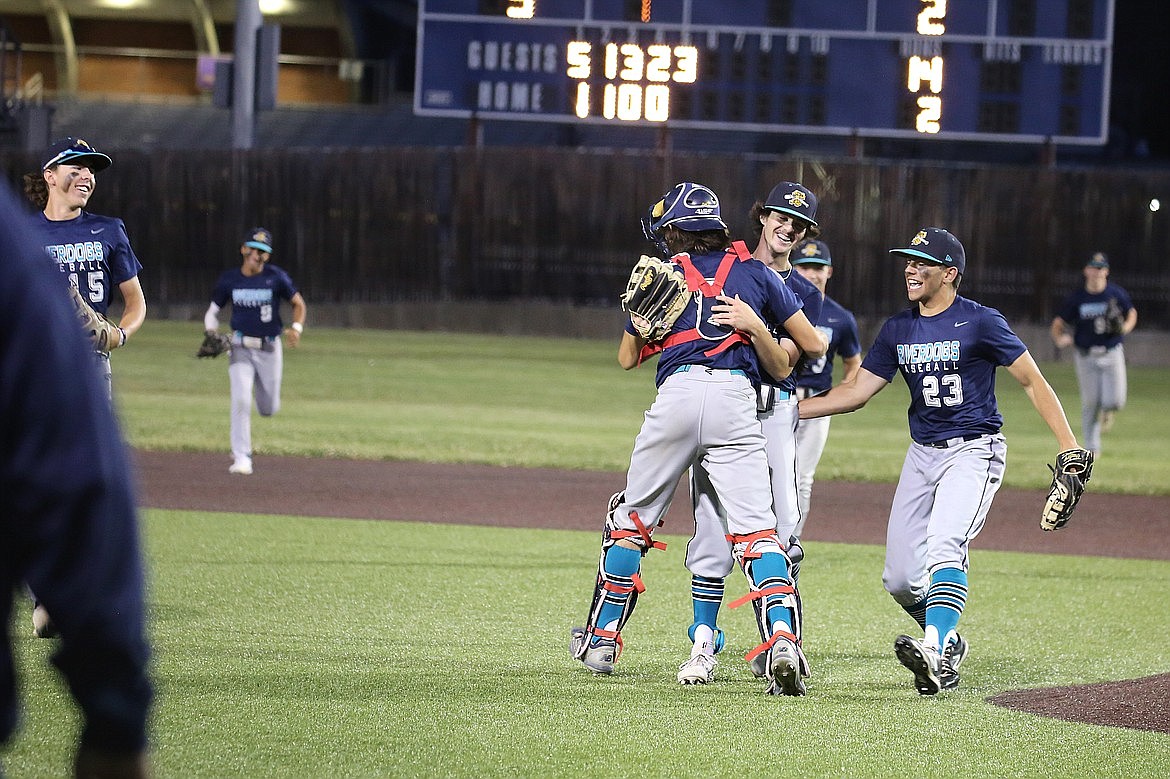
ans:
(696, 283)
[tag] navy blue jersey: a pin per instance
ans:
(949, 363)
(813, 300)
(840, 327)
(1086, 312)
(68, 513)
(757, 285)
(94, 251)
(255, 299)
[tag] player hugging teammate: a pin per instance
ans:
(704, 415)
(704, 418)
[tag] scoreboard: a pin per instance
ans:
(1027, 71)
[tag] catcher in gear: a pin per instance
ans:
(1095, 319)
(948, 350)
(1069, 476)
(214, 344)
(704, 411)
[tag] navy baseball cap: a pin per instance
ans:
(1098, 260)
(75, 151)
(811, 252)
(793, 199)
(687, 206)
(259, 238)
(935, 244)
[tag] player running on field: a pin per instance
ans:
(1100, 315)
(947, 349)
(813, 260)
(704, 412)
(786, 217)
(256, 364)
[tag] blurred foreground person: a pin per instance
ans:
(67, 511)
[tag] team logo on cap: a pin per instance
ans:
(809, 250)
(920, 238)
(797, 199)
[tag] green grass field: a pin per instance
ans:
(307, 647)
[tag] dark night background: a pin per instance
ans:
(1140, 95)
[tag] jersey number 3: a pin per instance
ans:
(945, 390)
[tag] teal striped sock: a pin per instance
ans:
(945, 601)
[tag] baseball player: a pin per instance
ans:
(1100, 314)
(947, 349)
(704, 413)
(68, 514)
(813, 261)
(256, 362)
(94, 251)
(785, 218)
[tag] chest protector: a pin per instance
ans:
(709, 290)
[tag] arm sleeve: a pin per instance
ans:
(211, 318)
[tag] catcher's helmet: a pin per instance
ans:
(688, 206)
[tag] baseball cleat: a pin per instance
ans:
(242, 466)
(598, 658)
(43, 626)
(699, 669)
(923, 661)
(784, 664)
(956, 651)
(759, 665)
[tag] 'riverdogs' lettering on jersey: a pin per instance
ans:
(78, 257)
(934, 356)
(252, 298)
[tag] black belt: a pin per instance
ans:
(949, 442)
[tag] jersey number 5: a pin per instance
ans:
(94, 289)
(946, 390)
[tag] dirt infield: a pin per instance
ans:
(1105, 526)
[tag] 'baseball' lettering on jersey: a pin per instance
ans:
(915, 356)
(251, 298)
(88, 255)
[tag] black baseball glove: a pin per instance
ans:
(214, 344)
(1114, 319)
(656, 294)
(1069, 476)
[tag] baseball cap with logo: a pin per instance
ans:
(793, 199)
(811, 252)
(259, 238)
(935, 244)
(75, 151)
(1098, 260)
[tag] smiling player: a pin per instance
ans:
(947, 349)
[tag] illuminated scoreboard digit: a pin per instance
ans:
(998, 70)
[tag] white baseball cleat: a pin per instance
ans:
(242, 465)
(699, 669)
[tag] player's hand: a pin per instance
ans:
(293, 337)
(738, 315)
